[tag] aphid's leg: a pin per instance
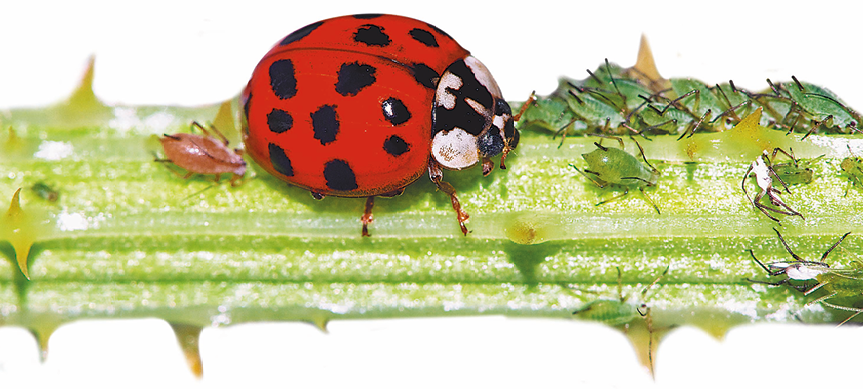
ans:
(787, 248)
(649, 200)
(207, 133)
(692, 128)
(604, 136)
(818, 124)
(530, 100)
(761, 207)
(367, 215)
(774, 198)
(436, 175)
(562, 131)
(597, 183)
(641, 150)
(856, 311)
(235, 180)
(789, 154)
(625, 192)
(826, 253)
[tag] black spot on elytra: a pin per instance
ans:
(280, 160)
(367, 16)
(325, 124)
(247, 105)
(279, 121)
(424, 37)
(353, 77)
(339, 175)
(282, 79)
(490, 143)
(395, 111)
(300, 34)
(439, 31)
(425, 75)
(463, 115)
(396, 146)
(372, 35)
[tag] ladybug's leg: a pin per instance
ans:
(530, 101)
(436, 175)
(367, 215)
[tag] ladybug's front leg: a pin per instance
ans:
(367, 215)
(436, 175)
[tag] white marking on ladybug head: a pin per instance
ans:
(448, 82)
(455, 149)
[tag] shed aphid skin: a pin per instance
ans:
(764, 175)
(796, 270)
(203, 154)
(617, 169)
(853, 167)
(838, 283)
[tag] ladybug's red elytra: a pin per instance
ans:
(362, 105)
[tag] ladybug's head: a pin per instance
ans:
(471, 122)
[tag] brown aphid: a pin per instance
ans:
(203, 154)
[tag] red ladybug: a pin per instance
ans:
(362, 105)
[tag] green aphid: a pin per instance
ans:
(821, 107)
(617, 169)
(793, 172)
(617, 312)
(45, 191)
(853, 167)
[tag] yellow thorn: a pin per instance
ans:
(645, 62)
(224, 121)
(18, 230)
(83, 96)
(645, 68)
(188, 336)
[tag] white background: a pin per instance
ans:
(173, 52)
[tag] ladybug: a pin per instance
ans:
(363, 105)
(203, 154)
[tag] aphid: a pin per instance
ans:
(793, 172)
(617, 100)
(764, 175)
(45, 191)
(615, 168)
(203, 154)
(620, 312)
(853, 167)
